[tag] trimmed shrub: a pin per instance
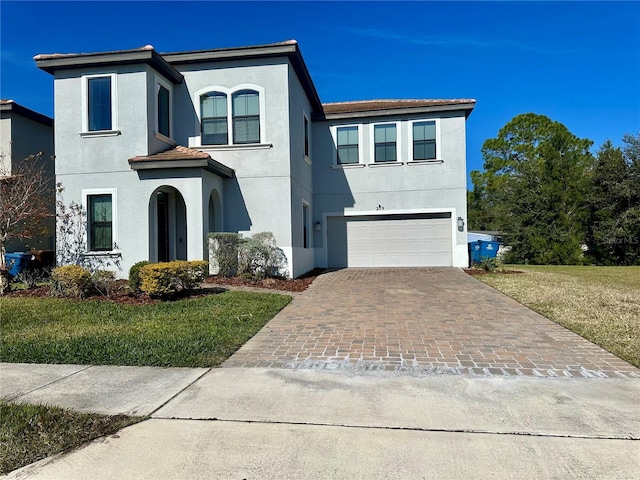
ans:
(70, 281)
(259, 257)
(167, 278)
(223, 253)
(103, 282)
(134, 276)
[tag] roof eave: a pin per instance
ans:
(291, 51)
(18, 109)
(466, 107)
(207, 163)
(52, 63)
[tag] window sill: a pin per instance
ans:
(241, 146)
(386, 164)
(101, 133)
(424, 162)
(110, 254)
(164, 138)
(307, 160)
(341, 166)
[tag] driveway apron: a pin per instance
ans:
(421, 320)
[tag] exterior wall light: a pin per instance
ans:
(460, 224)
(318, 226)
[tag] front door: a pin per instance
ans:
(163, 227)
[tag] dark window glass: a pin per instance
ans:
(306, 136)
(99, 103)
(424, 141)
(246, 117)
(163, 111)
(306, 229)
(385, 143)
(347, 144)
(213, 114)
(100, 222)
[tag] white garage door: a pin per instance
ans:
(390, 241)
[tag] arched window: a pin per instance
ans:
(246, 117)
(213, 115)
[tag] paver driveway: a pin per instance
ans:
(421, 320)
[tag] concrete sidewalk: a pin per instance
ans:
(281, 423)
(109, 390)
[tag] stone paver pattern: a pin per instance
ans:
(421, 320)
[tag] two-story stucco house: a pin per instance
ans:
(164, 148)
(25, 132)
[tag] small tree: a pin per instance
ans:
(25, 195)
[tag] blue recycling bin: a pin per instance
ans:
(16, 262)
(481, 250)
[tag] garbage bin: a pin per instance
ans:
(482, 250)
(16, 262)
(489, 249)
(474, 251)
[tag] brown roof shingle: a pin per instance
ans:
(381, 105)
(174, 153)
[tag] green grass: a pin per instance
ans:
(200, 332)
(602, 304)
(31, 432)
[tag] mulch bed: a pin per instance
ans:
(282, 284)
(121, 294)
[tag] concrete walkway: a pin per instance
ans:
(515, 395)
(259, 423)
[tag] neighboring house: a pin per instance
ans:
(24, 132)
(164, 148)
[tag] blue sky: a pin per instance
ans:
(576, 62)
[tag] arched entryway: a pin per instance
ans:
(214, 213)
(167, 226)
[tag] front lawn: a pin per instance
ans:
(31, 432)
(200, 332)
(602, 304)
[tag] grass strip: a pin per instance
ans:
(199, 332)
(601, 304)
(29, 433)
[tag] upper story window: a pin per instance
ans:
(306, 136)
(229, 117)
(163, 111)
(424, 140)
(99, 104)
(347, 145)
(246, 117)
(385, 143)
(213, 119)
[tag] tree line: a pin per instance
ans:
(555, 202)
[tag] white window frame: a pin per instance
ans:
(334, 134)
(85, 106)
(438, 142)
(306, 137)
(306, 220)
(372, 147)
(114, 217)
(161, 81)
(229, 93)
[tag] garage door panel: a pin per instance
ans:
(391, 241)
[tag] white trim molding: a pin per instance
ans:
(197, 140)
(84, 89)
(334, 135)
(438, 158)
(114, 218)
